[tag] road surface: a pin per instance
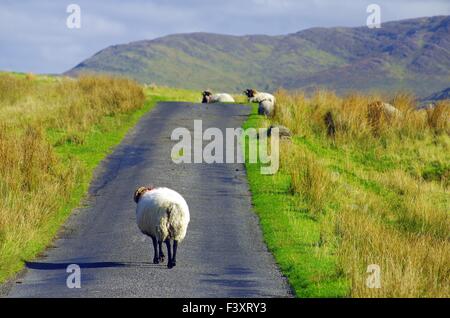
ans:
(223, 254)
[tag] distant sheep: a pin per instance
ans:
(266, 101)
(209, 97)
(386, 108)
(390, 110)
(257, 97)
(426, 106)
(378, 110)
(162, 214)
(266, 108)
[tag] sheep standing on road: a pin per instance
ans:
(209, 97)
(266, 101)
(162, 214)
(266, 108)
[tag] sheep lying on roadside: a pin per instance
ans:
(266, 101)
(257, 97)
(209, 97)
(162, 214)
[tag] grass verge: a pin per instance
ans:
(358, 187)
(291, 234)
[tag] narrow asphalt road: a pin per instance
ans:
(223, 254)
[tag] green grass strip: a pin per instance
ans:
(292, 235)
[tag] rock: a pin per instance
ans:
(284, 132)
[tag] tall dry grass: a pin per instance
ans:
(411, 265)
(309, 178)
(34, 182)
(369, 174)
(354, 120)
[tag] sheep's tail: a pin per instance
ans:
(177, 222)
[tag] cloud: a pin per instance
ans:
(35, 38)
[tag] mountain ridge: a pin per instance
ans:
(412, 54)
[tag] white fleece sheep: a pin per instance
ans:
(266, 101)
(391, 111)
(387, 109)
(257, 97)
(209, 97)
(162, 214)
(266, 107)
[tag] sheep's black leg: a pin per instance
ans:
(161, 253)
(260, 110)
(155, 247)
(169, 254)
(174, 257)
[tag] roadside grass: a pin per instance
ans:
(377, 192)
(292, 234)
(366, 195)
(53, 134)
(172, 94)
(186, 95)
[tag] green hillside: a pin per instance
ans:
(405, 55)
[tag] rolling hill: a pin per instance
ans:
(410, 54)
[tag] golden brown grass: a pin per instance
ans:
(379, 183)
(35, 117)
(309, 178)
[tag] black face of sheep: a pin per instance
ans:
(250, 93)
(206, 97)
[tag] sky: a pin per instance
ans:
(34, 36)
